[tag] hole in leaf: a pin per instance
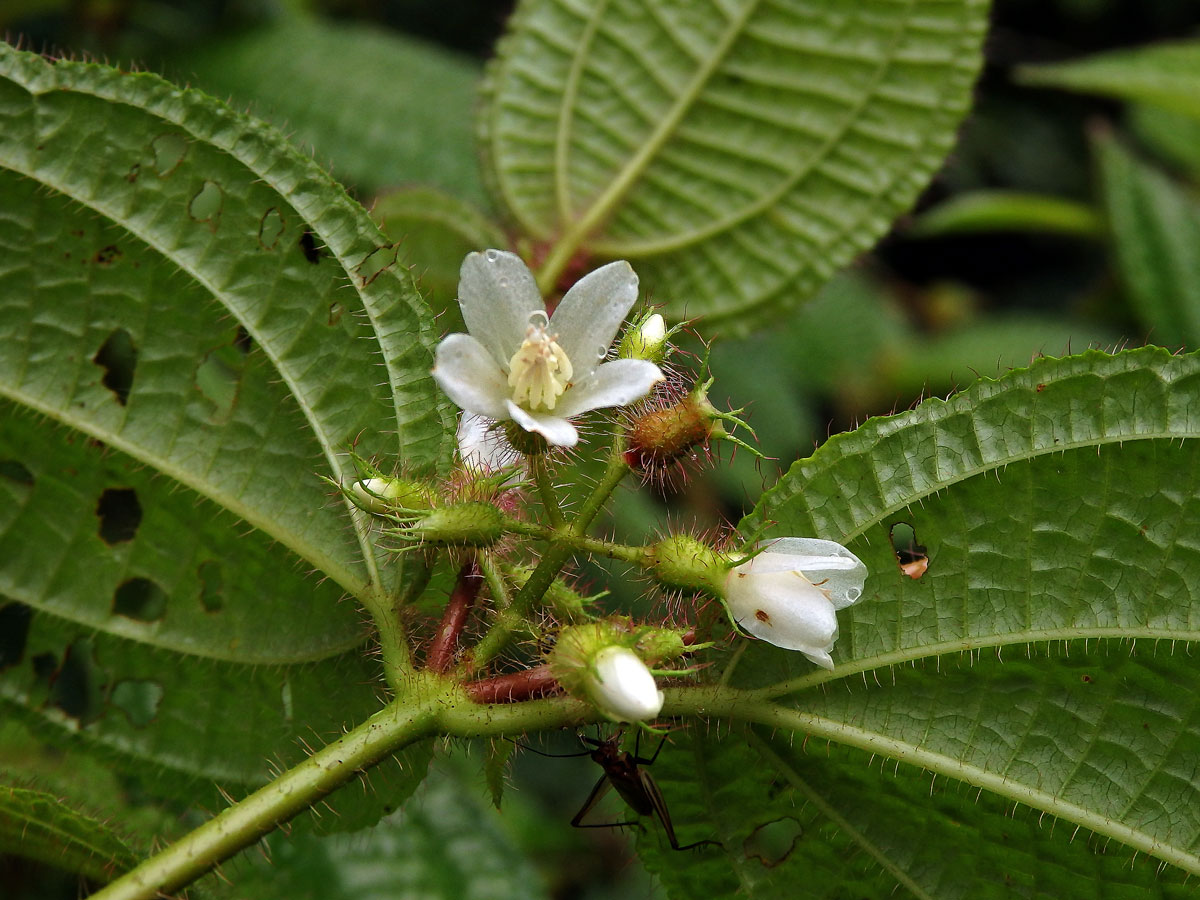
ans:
(243, 341)
(270, 228)
(219, 378)
(77, 687)
(205, 206)
(376, 261)
(14, 631)
(336, 311)
(139, 700)
(308, 246)
(106, 256)
(911, 557)
(15, 471)
(120, 514)
(771, 843)
(117, 356)
(212, 586)
(140, 599)
(169, 151)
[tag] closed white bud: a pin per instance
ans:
(622, 687)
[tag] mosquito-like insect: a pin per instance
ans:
(624, 772)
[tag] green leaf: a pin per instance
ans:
(40, 826)
(436, 231)
(217, 313)
(445, 843)
(1155, 226)
(179, 726)
(986, 211)
(737, 154)
(813, 820)
(1058, 504)
(383, 109)
(1166, 74)
(1173, 136)
(199, 322)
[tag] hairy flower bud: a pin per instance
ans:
(595, 662)
(381, 495)
(684, 562)
(466, 524)
(659, 436)
(646, 339)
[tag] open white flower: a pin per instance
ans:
(518, 363)
(622, 687)
(790, 592)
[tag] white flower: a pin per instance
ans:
(622, 687)
(483, 448)
(517, 363)
(790, 592)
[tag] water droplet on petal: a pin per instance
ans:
(503, 282)
(492, 255)
(538, 318)
(601, 353)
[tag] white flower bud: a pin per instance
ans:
(789, 594)
(622, 687)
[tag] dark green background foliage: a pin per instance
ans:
(201, 317)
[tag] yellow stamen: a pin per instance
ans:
(539, 371)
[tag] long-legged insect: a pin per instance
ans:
(624, 771)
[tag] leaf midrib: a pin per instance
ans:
(604, 205)
(839, 821)
(347, 579)
(344, 577)
(941, 764)
(676, 242)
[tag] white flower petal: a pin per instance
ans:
(497, 295)
(622, 687)
(587, 318)
(482, 447)
(825, 563)
(616, 383)
(470, 376)
(784, 609)
(555, 429)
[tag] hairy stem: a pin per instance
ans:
(541, 477)
(242, 824)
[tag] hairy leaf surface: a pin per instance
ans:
(737, 153)
(1056, 506)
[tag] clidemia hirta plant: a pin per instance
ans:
(232, 431)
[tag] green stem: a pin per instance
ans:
(541, 477)
(242, 824)
(555, 558)
(567, 537)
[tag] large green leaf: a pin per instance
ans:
(185, 290)
(808, 819)
(383, 109)
(1155, 226)
(736, 152)
(1167, 75)
(198, 324)
(1059, 508)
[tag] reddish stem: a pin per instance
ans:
(466, 589)
(515, 686)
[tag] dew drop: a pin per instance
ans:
(538, 318)
(601, 353)
(503, 282)
(492, 255)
